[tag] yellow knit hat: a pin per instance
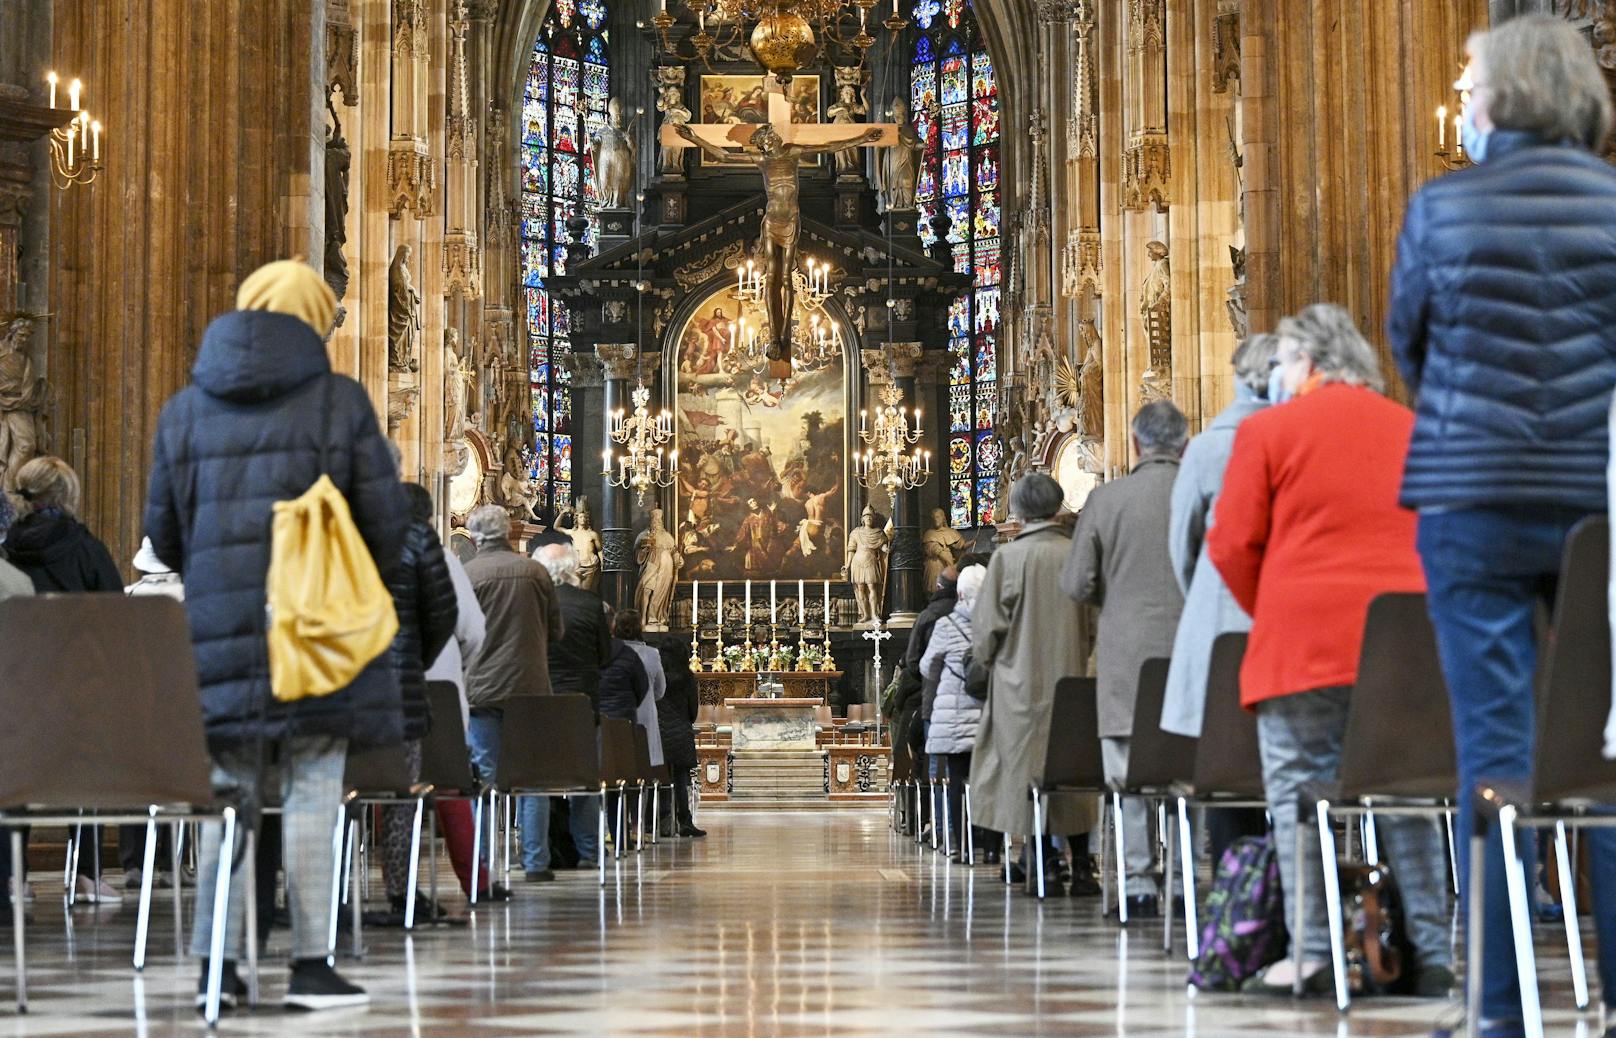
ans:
(290, 287)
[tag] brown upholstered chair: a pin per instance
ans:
(548, 747)
(1158, 761)
(1072, 763)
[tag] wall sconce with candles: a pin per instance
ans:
(76, 147)
(1452, 153)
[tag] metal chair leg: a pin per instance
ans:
(413, 885)
(1568, 906)
(920, 817)
(175, 847)
(1038, 837)
(1298, 909)
(600, 835)
(18, 938)
(948, 822)
(1520, 918)
(1167, 836)
(356, 897)
(1122, 859)
(931, 809)
(148, 867)
(1332, 903)
(221, 913)
(477, 850)
(656, 814)
(1186, 857)
(432, 860)
(508, 805)
(249, 880)
(1453, 852)
(336, 881)
(970, 828)
(1475, 933)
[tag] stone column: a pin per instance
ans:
(905, 591)
(617, 569)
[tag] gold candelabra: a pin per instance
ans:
(784, 36)
(888, 460)
(1453, 156)
(642, 466)
(75, 149)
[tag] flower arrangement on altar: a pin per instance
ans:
(809, 657)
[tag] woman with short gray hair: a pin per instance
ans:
(1503, 323)
(1325, 340)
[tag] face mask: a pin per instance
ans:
(1277, 393)
(1475, 141)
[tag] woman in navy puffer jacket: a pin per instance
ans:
(955, 714)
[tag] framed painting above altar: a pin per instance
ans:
(761, 491)
(743, 99)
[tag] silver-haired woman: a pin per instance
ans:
(1504, 325)
(1307, 532)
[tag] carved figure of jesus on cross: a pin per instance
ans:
(776, 148)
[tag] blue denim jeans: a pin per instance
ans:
(1488, 569)
(483, 738)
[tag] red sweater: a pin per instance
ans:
(1308, 531)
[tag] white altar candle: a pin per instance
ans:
(695, 607)
(827, 608)
(749, 609)
(771, 603)
(720, 607)
(802, 605)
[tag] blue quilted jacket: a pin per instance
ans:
(1503, 322)
(245, 434)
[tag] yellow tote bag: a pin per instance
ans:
(329, 612)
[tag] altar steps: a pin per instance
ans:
(777, 774)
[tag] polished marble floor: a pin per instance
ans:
(779, 924)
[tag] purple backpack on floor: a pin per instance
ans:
(1244, 928)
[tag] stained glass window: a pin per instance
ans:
(954, 95)
(564, 99)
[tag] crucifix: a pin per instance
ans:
(776, 148)
(877, 634)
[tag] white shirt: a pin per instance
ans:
(470, 629)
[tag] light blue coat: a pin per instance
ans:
(954, 714)
(1209, 609)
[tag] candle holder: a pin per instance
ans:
(695, 649)
(746, 649)
(827, 664)
(776, 660)
(719, 665)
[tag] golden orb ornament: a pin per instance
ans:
(783, 42)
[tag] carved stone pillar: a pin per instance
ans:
(617, 568)
(906, 592)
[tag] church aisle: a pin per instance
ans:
(780, 924)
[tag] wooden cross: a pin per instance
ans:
(736, 136)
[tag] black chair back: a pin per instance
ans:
(1227, 760)
(548, 743)
(642, 754)
(377, 771)
(445, 761)
(101, 705)
(1399, 739)
(1156, 759)
(1072, 757)
(1577, 677)
(616, 750)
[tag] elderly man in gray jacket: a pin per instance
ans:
(1119, 562)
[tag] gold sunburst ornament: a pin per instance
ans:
(1066, 383)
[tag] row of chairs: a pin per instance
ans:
(105, 727)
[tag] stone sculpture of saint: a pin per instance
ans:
(458, 376)
(897, 170)
(656, 551)
(670, 102)
(614, 150)
(845, 112)
(22, 397)
(586, 543)
(516, 486)
(867, 549)
(338, 159)
(942, 546)
(1091, 378)
(403, 314)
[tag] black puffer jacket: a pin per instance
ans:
(676, 710)
(245, 434)
(1503, 321)
(60, 555)
(623, 682)
(424, 599)
(576, 658)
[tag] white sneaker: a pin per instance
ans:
(27, 890)
(102, 893)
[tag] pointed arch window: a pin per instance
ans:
(954, 98)
(563, 102)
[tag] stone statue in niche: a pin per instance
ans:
(338, 158)
(670, 88)
(615, 154)
(897, 170)
(1155, 306)
(22, 397)
(403, 314)
(516, 486)
(458, 378)
(1091, 378)
(942, 546)
(656, 551)
(585, 542)
(1236, 303)
(867, 549)
(848, 108)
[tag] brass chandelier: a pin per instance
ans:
(889, 460)
(784, 36)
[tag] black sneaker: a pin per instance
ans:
(691, 832)
(232, 989)
(315, 985)
(1432, 982)
(540, 876)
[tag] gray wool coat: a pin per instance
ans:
(1118, 562)
(1030, 635)
(1209, 609)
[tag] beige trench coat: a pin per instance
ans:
(1032, 635)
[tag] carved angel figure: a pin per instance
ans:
(897, 172)
(22, 397)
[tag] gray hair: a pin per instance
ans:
(560, 561)
(1327, 335)
(1544, 79)
(1254, 360)
(1160, 428)
(1035, 496)
(489, 524)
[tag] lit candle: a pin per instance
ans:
(50, 77)
(771, 604)
(894, 8)
(827, 609)
(749, 610)
(802, 605)
(606, 462)
(1458, 137)
(95, 141)
(1442, 128)
(72, 131)
(720, 606)
(695, 608)
(73, 89)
